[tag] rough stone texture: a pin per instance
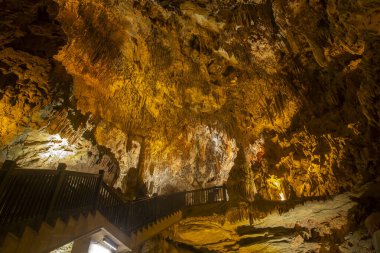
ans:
(249, 69)
(39, 124)
(316, 226)
(277, 98)
(202, 157)
(153, 72)
(64, 249)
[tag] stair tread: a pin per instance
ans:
(11, 243)
(26, 240)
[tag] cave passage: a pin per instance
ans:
(274, 103)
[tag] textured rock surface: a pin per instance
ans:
(202, 157)
(277, 98)
(39, 124)
(317, 226)
(248, 69)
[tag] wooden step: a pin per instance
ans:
(11, 243)
(44, 240)
(50, 237)
(27, 239)
(45, 230)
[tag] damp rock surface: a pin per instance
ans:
(315, 226)
(277, 99)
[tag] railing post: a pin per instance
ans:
(225, 192)
(6, 169)
(59, 182)
(128, 219)
(184, 199)
(124, 224)
(98, 188)
(156, 207)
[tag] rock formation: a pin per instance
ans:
(275, 98)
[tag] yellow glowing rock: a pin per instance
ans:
(201, 102)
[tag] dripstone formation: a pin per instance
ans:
(277, 99)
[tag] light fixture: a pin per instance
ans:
(108, 241)
(96, 248)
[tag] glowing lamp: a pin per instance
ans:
(96, 248)
(107, 241)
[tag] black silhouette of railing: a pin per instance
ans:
(28, 197)
(205, 196)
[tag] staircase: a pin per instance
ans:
(49, 237)
(41, 210)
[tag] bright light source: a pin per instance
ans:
(282, 196)
(108, 241)
(96, 248)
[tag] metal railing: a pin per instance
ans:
(29, 196)
(205, 196)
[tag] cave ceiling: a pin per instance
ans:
(280, 96)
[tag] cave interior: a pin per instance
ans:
(278, 101)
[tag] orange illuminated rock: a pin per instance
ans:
(175, 88)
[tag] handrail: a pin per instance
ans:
(30, 196)
(112, 206)
(205, 196)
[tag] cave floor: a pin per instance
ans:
(314, 226)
